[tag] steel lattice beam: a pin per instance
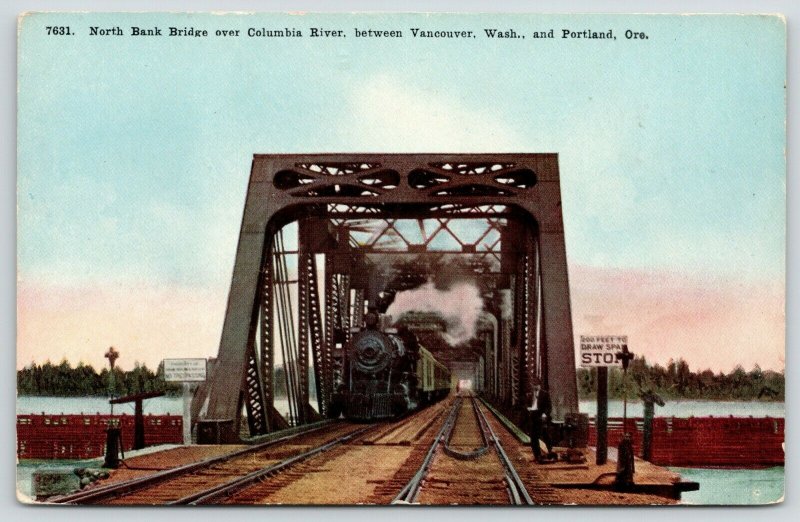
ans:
(273, 420)
(254, 398)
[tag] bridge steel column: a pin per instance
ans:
(285, 188)
(333, 305)
(520, 345)
(221, 423)
(505, 362)
(490, 355)
(558, 360)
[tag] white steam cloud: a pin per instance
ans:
(460, 305)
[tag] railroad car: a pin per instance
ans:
(386, 374)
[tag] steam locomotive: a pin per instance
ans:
(386, 373)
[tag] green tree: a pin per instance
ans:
(677, 380)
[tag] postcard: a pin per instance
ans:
(394, 259)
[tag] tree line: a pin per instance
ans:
(673, 381)
(62, 380)
(677, 381)
(83, 380)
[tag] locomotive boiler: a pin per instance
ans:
(387, 373)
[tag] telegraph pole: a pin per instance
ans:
(113, 432)
(112, 355)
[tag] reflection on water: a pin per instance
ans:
(733, 486)
(174, 406)
(26, 468)
(92, 405)
(676, 408)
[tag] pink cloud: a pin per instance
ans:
(713, 324)
(145, 323)
(710, 323)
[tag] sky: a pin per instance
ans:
(134, 155)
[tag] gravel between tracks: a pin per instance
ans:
(174, 488)
(479, 481)
(362, 471)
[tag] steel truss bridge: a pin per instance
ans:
(326, 237)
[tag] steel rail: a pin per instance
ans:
(469, 455)
(517, 492)
(410, 492)
(229, 488)
(129, 486)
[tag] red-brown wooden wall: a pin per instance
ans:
(692, 442)
(84, 436)
(706, 441)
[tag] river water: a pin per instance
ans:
(717, 486)
(91, 405)
(692, 408)
(733, 486)
(174, 406)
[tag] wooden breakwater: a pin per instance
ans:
(705, 441)
(42, 436)
(690, 442)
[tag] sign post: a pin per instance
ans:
(185, 371)
(625, 458)
(600, 351)
(187, 413)
(601, 422)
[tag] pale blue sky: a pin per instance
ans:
(134, 153)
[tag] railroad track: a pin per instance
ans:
(310, 467)
(450, 445)
(411, 490)
(254, 474)
(203, 481)
(223, 491)
(516, 488)
(477, 428)
(536, 483)
(362, 463)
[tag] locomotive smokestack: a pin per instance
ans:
(371, 320)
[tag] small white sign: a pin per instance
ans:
(601, 350)
(184, 370)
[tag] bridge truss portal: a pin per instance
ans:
(324, 237)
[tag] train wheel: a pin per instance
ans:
(399, 406)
